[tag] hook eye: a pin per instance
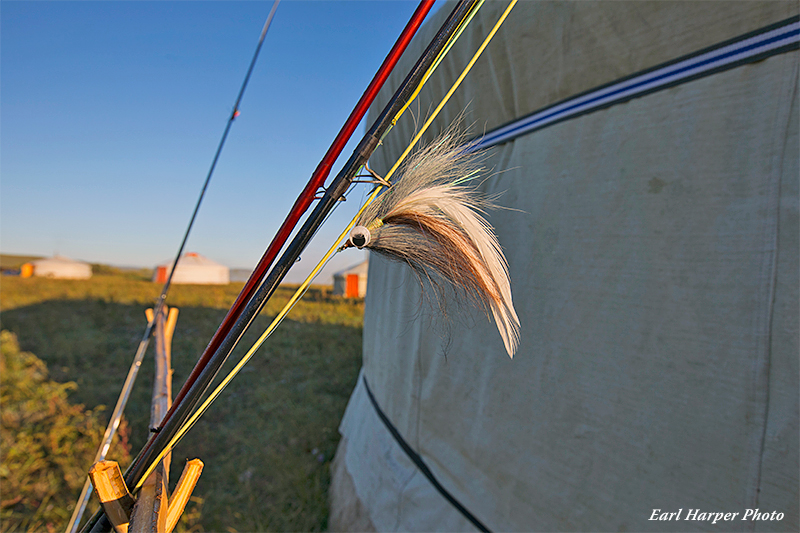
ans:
(359, 236)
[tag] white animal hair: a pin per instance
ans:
(433, 220)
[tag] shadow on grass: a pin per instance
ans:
(266, 442)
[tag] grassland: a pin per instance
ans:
(267, 442)
(9, 261)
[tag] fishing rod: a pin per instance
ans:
(332, 195)
(190, 398)
(130, 379)
(335, 248)
(306, 197)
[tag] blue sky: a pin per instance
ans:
(110, 113)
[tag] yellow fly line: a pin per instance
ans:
(450, 43)
(304, 286)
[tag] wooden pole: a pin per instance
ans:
(183, 490)
(150, 512)
(113, 493)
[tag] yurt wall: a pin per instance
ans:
(652, 245)
(193, 268)
(352, 281)
(60, 267)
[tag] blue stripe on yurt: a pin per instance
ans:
(774, 39)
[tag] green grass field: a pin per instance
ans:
(266, 443)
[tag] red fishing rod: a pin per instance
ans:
(300, 206)
(333, 193)
(306, 198)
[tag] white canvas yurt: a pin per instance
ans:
(648, 155)
(61, 267)
(352, 281)
(193, 268)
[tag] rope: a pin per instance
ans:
(754, 46)
(420, 463)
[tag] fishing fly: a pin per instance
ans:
(432, 219)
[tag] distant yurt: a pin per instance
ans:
(646, 158)
(59, 267)
(193, 269)
(351, 282)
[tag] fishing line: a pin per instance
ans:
(303, 201)
(216, 354)
(339, 186)
(127, 387)
(301, 290)
(444, 52)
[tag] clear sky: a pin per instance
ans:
(110, 113)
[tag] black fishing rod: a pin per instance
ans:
(306, 197)
(333, 194)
